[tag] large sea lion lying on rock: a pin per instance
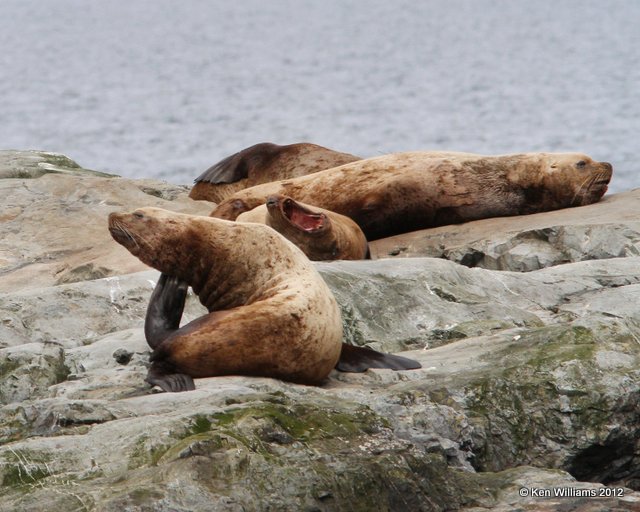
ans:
(321, 234)
(270, 312)
(263, 163)
(402, 192)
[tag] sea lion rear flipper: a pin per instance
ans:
(237, 166)
(358, 359)
(169, 382)
(165, 309)
(227, 170)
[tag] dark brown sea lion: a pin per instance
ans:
(321, 234)
(263, 163)
(403, 192)
(270, 312)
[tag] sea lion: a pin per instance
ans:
(401, 192)
(263, 163)
(321, 234)
(270, 312)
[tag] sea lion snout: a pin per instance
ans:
(119, 230)
(115, 222)
(608, 167)
(605, 174)
(272, 201)
(229, 210)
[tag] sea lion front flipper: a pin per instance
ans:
(165, 309)
(169, 382)
(358, 359)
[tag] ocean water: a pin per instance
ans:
(165, 88)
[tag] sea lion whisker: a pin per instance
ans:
(139, 239)
(585, 185)
(127, 233)
(601, 178)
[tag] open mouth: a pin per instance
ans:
(301, 217)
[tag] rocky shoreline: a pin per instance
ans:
(530, 382)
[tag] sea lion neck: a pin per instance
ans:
(218, 284)
(522, 169)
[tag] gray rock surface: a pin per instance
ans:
(530, 382)
(607, 229)
(54, 225)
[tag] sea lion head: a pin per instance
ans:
(229, 209)
(562, 180)
(152, 235)
(578, 178)
(321, 234)
(310, 230)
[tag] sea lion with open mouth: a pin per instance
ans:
(321, 234)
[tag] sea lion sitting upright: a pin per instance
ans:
(270, 312)
(401, 192)
(321, 234)
(262, 163)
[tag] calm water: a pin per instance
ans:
(165, 88)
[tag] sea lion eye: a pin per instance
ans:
(581, 164)
(138, 215)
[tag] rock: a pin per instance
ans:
(54, 221)
(527, 399)
(607, 229)
(33, 164)
(79, 314)
(122, 356)
(29, 370)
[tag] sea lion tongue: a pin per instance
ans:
(301, 217)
